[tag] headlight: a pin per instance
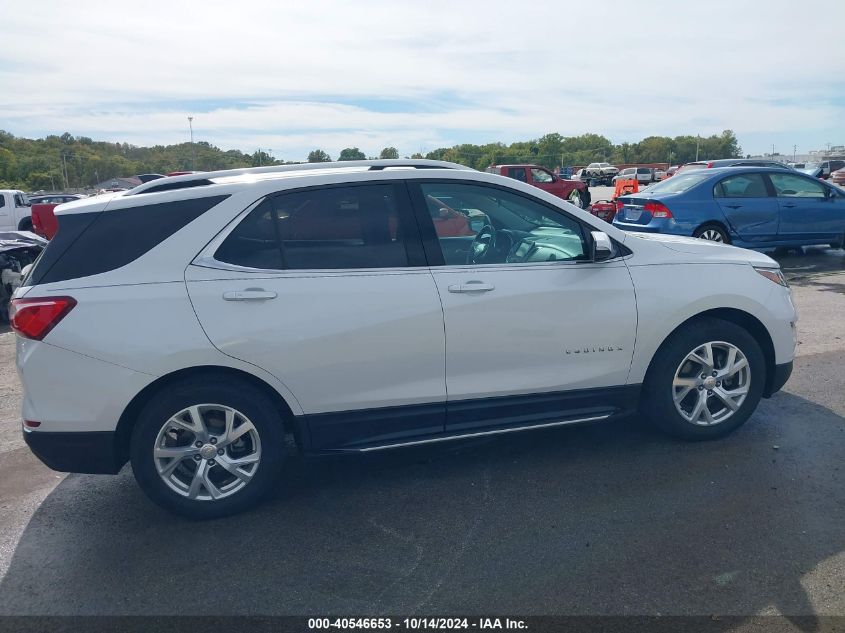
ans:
(773, 274)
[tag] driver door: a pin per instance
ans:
(534, 330)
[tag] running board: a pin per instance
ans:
(463, 436)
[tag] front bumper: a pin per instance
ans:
(92, 452)
(778, 379)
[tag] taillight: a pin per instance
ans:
(34, 318)
(657, 210)
(619, 205)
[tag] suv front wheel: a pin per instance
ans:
(705, 381)
(208, 448)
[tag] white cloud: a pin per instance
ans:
(283, 75)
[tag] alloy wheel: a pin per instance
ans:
(712, 235)
(711, 383)
(207, 452)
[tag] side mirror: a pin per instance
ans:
(602, 246)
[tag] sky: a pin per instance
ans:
(291, 76)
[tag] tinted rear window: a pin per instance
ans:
(678, 183)
(93, 243)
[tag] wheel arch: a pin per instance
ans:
(126, 423)
(746, 321)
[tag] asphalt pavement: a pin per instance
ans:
(610, 518)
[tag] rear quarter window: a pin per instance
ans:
(93, 243)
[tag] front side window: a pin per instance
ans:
(741, 186)
(541, 175)
(791, 186)
(488, 225)
(2, 201)
(329, 228)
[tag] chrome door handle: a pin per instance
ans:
(472, 286)
(250, 294)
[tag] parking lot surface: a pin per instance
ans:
(610, 518)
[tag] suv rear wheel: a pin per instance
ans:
(705, 381)
(208, 448)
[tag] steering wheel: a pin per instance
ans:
(484, 241)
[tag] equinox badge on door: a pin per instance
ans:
(590, 350)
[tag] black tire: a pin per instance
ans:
(710, 229)
(657, 402)
(239, 395)
(25, 224)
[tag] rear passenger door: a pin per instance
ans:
(748, 206)
(326, 289)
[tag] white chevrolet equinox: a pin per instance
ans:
(191, 323)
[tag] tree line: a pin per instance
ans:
(78, 162)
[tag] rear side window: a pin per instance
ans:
(518, 173)
(742, 186)
(326, 228)
(93, 243)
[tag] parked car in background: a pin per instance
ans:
(671, 171)
(659, 174)
(601, 173)
(54, 198)
(745, 206)
(813, 170)
(43, 213)
(211, 320)
(730, 162)
(640, 174)
(15, 211)
(574, 191)
(838, 177)
(827, 167)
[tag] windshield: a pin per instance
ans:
(678, 183)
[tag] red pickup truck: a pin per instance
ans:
(573, 191)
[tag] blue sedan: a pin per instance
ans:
(753, 207)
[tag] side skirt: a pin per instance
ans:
(369, 430)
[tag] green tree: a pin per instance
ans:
(389, 152)
(352, 153)
(318, 156)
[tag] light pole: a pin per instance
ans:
(193, 153)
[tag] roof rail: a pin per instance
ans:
(206, 178)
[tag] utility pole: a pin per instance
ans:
(259, 157)
(64, 170)
(697, 140)
(773, 150)
(193, 152)
(794, 152)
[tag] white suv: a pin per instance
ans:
(191, 323)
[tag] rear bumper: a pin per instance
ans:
(93, 452)
(778, 379)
